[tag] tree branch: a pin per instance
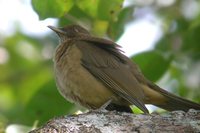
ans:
(116, 122)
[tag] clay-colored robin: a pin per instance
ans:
(91, 71)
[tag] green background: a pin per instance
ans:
(28, 91)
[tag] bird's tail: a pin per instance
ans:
(173, 102)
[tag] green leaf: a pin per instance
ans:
(45, 104)
(88, 6)
(51, 8)
(191, 40)
(100, 27)
(153, 64)
(116, 28)
(109, 9)
(75, 16)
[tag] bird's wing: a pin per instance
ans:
(108, 65)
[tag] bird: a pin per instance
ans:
(93, 72)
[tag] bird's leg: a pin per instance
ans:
(109, 106)
(105, 105)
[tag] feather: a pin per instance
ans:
(114, 72)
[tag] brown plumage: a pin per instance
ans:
(91, 71)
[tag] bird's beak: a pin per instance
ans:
(57, 30)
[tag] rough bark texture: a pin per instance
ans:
(115, 122)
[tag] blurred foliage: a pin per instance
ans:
(149, 62)
(27, 88)
(100, 16)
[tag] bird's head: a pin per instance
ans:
(70, 31)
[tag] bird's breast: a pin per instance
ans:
(77, 84)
